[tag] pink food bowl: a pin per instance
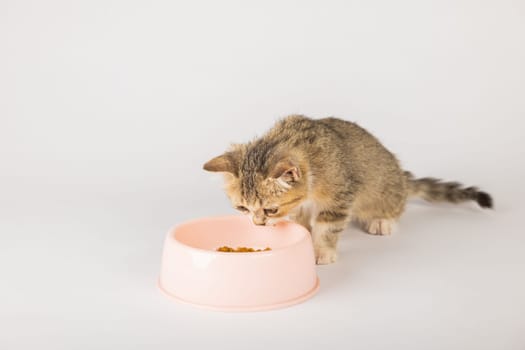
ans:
(194, 272)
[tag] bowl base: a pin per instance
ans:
(280, 305)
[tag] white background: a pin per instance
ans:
(108, 109)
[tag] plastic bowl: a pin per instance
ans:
(194, 272)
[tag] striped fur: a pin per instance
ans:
(436, 190)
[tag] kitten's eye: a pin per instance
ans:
(242, 209)
(271, 211)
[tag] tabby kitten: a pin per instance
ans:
(322, 174)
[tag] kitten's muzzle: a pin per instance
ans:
(259, 221)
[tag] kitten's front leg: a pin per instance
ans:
(325, 233)
(302, 216)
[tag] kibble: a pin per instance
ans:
(241, 249)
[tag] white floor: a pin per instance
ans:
(79, 265)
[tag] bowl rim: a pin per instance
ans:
(173, 230)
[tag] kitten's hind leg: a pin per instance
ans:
(379, 214)
(325, 233)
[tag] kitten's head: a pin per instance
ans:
(261, 181)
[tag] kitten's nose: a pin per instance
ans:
(259, 221)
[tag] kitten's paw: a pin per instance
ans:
(324, 255)
(380, 227)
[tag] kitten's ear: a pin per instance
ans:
(286, 170)
(225, 163)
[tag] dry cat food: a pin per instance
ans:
(241, 249)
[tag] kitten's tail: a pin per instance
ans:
(435, 190)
